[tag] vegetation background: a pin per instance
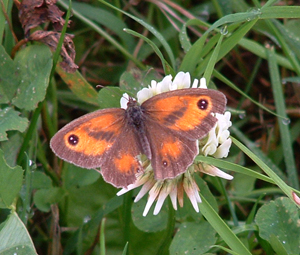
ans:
(249, 50)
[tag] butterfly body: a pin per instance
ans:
(165, 128)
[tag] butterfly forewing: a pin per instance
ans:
(186, 110)
(100, 139)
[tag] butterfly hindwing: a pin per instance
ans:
(171, 153)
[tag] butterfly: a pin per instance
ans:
(165, 128)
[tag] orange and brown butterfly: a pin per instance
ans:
(165, 128)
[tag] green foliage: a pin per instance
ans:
(280, 220)
(10, 182)
(197, 238)
(48, 205)
(15, 238)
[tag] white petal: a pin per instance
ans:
(152, 196)
(146, 187)
(148, 205)
(165, 83)
(223, 136)
(124, 190)
(214, 171)
(144, 94)
(193, 199)
(223, 150)
(124, 101)
(195, 83)
(173, 196)
(211, 144)
(203, 83)
(181, 80)
(160, 201)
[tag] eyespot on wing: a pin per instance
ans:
(84, 140)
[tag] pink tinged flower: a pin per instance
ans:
(173, 196)
(192, 191)
(164, 192)
(213, 171)
(153, 194)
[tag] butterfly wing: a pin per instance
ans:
(174, 122)
(97, 140)
(171, 153)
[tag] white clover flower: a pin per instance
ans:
(124, 101)
(216, 144)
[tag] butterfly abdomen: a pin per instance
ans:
(136, 119)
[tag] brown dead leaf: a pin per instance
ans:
(67, 52)
(32, 13)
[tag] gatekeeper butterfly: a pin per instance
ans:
(165, 128)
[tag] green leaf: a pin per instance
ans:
(40, 180)
(280, 12)
(222, 228)
(149, 223)
(193, 238)
(10, 182)
(278, 246)
(10, 120)
(135, 80)
(280, 217)
(77, 176)
(15, 238)
(166, 66)
(8, 77)
(109, 97)
(33, 66)
(106, 18)
(44, 198)
(79, 86)
(151, 28)
(285, 135)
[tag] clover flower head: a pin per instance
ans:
(216, 144)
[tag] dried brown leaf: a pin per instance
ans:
(32, 13)
(67, 52)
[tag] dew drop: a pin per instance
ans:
(286, 121)
(224, 30)
(86, 219)
(242, 115)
